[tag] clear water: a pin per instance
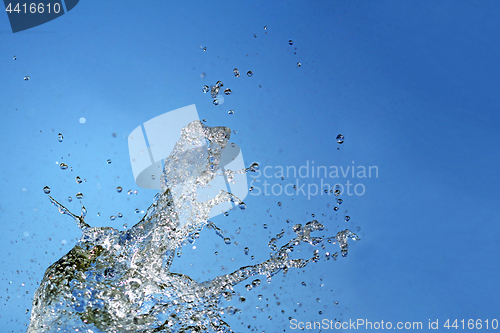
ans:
(120, 281)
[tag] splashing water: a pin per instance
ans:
(120, 281)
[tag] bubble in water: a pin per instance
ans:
(290, 42)
(230, 111)
(78, 179)
(46, 190)
(227, 91)
(60, 137)
(119, 189)
(216, 102)
(236, 72)
(108, 161)
(63, 166)
(347, 218)
(299, 64)
(26, 78)
(340, 139)
(79, 195)
(82, 120)
(249, 73)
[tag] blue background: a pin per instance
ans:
(413, 87)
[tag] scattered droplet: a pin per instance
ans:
(60, 137)
(290, 42)
(130, 192)
(204, 49)
(125, 225)
(279, 203)
(337, 193)
(243, 206)
(265, 27)
(264, 226)
(63, 166)
(230, 111)
(227, 91)
(236, 72)
(347, 218)
(112, 217)
(227, 240)
(120, 215)
(206, 89)
(15, 58)
(82, 120)
(78, 179)
(137, 210)
(299, 64)
(26, 78)
(119, 189)
(246, 250)
(108, 161)
(249, 73)
(216, 102)
(335, 208)
(340, 139)
(46, 190)
(226, 214)
(219, 84)
(70, 199)
(255, 35)
(254, 167)
(339, 201)
(79, 195)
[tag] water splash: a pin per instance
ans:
(120, 281)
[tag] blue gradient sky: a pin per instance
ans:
(412, 87)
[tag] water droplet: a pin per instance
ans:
(264, 226)
(340, 139)
(226, 214)
(216, 102)
(137, 210)
(63, 166)
(120, 215)
(204, 49)
(46, 190)
(255, 35)
(60, 137)
(265, 27)
(230, 111)
(249, 73)
(337, 193)
(108, 161)
(347, 218)
(335, 208)
(79, 195)
(26, 78)
(206, 89)
(339, 201)
(236, 72)
(112, 217)
(279, 203)
(290, 42)
(119, 189)
(227, 91)
(82, 120)
(254, 167)
(219, 84)
(70, 199)
(243, 206)
(15, 58)
(227, 240)
(125, 225)
(246, 250)
(299, 64)
(130, 192)
(78, 179)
